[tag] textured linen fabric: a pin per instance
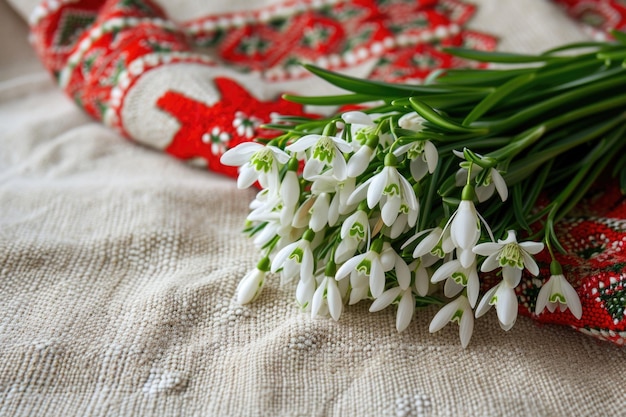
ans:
(118, 267)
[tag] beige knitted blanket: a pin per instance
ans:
(118, 267)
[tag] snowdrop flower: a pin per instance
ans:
(493, 181)
(305, 291)
(406, 305)
(257, 162)
(354, 231)
(437, 242)
(391, 184)
(465, 228)
(251, 284)
(423, 156)
(459, 311)
(412, 121)
(368, 264)
(463, 277)
(558, 292)
(358, 163)
(327, 295)
(504, 298)
(422, 277)
(326, 151)
(340, 191)
(296, 258)
(511, 256)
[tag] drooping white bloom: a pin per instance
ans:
(339, 190)
(463, 277)
(465, 231)
(319, 212)
(412, 121)
(511, 256)
(390, 184)
(459, 311)
(370, 264)
(406, 305)
(423, 156)
(504, 298)
(422, 277)
(325, 151)
(295, 259)
(251, 284)
(256, 162)
(354, 231)
(437, 242)
(558, 292)
(493, 182)
(360, 160)
(327, 294)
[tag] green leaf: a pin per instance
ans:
(378, 88)
(498, 95)
(434, 117)
(619, 36)
(331, 100)
(500, 57)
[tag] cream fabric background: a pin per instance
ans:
(117, 271)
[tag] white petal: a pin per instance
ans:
(305, 142)
(375, 190)
(339, 167)
(240, 154)
(308, 264)
(432, 156)
(358, 293)
(390, 210)
(451, 288)
(357, 117)
(359, 193)
(319, 215)
(427, 244)
(501, 186)
(418, 169)
(290, 189)
(488, 248)
(341, 144)
(250, 286)
(359, 161)
(333, 296)
(544, 295)
(443, 316)
(490, 263)
(467, 257)
(511, 276)
(485, 303)
(445, 271)
(305, 291)
(464, 229)
(350, 265)
(402, 273)
(385, 299)
(247, 176)
(281, 256)
(377, 278)
(532, 247)
(406, 310)
(506, 306)
(281, 156)
(421, 281)
(473, 287)
(530, 264)
(466, 328)
(572, 299)
(312, 168)
(318, 298)
(408, 193)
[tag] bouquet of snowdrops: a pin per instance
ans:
(412, 199)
